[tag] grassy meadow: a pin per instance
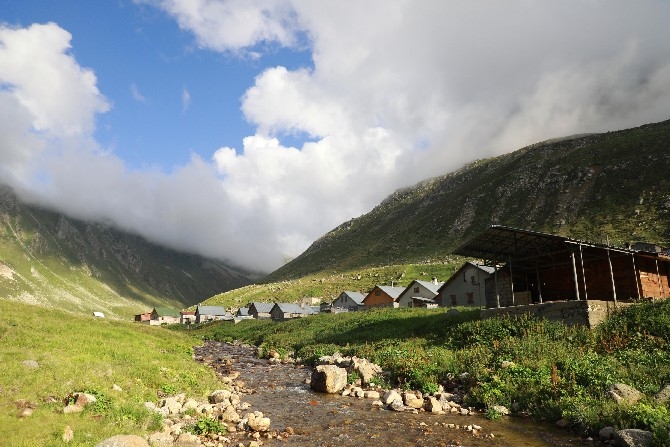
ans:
(80, 353)
(556, 372)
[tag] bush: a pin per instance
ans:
(206, 426)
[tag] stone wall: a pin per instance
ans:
(586, 313)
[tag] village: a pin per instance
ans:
(520, 271)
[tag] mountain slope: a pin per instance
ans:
(52, 260)
(611, 186)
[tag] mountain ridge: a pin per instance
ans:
(596, 186)
(57, 261)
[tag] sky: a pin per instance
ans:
(244, 130)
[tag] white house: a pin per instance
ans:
(419, 294)
(211, 313)
(466, 286)
(349, 300)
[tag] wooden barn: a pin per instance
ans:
(534, 268)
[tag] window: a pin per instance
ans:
(471, 297)
(473, 280)
(453, 300)
(417, 289)
(378, 292)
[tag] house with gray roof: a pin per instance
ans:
(349, 301)
(287, 311)
(420, 294)
(466, 287)
(212, 313)
(260, 310)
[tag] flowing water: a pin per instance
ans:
(317, 419)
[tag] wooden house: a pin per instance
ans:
(532, 268)
(420, 294)
(382, 296)
(164, 315)
(204, 314)
(466, 287)
(143, 317)
(260, 310)
(348, 301)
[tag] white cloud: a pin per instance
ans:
(135, 92)
(185, 99)
(399, 91)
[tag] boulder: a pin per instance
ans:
(161, 439)
(607, 433)
(256, 421)
(624, 394)
(187, 440)
(230, 415)
(632, 438)
(391, 396)
(328, 379)
(663, 396)
(371, 395)
(432, 405)
(123, 441)
(219, 396)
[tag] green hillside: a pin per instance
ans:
(55, 261)
(610, 186)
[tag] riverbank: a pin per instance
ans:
(537, 369)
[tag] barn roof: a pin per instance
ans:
(262, 307)
(211, 310)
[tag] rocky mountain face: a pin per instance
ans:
(603, 187)
(49, 259)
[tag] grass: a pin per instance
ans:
(541, 368)
(77, 353)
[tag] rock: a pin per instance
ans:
(391, 396)
(84, 399)
(230, 415)
(607, 433)
(411, 400)
(433, 405)
(187, 440)
(371, 395)
(30, 364)
(219, 396)
(68, 434)
(357, 392)
(172, 405)
(632, 438)
(161, 439)
(501, 409)
(123, 441)
(25, 413)
(115, 387)
(73, 408)
(663, 396)
(328, 379)
(397, 405)
(563, 423)
(624, 394)
(257, 422)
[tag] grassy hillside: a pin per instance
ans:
(328, 285)
(556, 371)
(63, 263)
(79, 353)
(613, 185)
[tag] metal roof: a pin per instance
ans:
(211, 310)
(357, 297)
(262, 307)
(393, 292)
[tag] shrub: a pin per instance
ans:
(206, 426)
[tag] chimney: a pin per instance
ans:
(435, 280)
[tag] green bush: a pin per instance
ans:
(206, 426)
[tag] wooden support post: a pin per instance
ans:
(658, 275)
(609, 260)
(511, 279)
(581, 259)
(495, 280)
(637, 283)
(574, 273)
(539, 282)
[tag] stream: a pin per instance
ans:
(318, 419)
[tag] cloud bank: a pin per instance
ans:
(399, 91)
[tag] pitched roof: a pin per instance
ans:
(428, 285)
(262, 307)
(357, 297)
(243, 312)
(393, 292)
(484, 268)
(211, 310)
(166, 312)
(293, 308)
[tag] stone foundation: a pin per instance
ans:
(586, 313)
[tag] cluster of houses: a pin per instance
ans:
(518, 268)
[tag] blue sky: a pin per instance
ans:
(246, 129)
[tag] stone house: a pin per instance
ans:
(466, 287)
(420, 294)
(382, 296)
(349, 301)
(164, 315)
(187, 317)
(260, 310)
(212, 313)
(288, 311)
